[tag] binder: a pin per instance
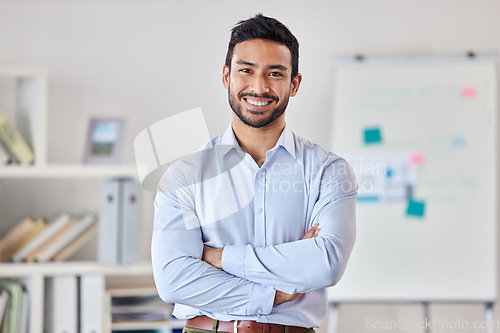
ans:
(119, 222)
(92, 288)
(61, 304)
(130, 222)
(109, 208)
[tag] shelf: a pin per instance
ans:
(76, 267)
(69, 171)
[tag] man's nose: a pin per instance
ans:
(260, 84)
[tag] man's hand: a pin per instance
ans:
(312, 231)
(281, 297)
(213, 256)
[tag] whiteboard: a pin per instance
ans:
(420, 135)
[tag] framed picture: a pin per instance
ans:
(104, 140)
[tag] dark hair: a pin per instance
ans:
(262, 27)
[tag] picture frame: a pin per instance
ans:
(104, 140)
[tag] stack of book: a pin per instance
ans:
(13, 307)
(13, 147)
(32, 240)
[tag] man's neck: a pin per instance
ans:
(257, 141)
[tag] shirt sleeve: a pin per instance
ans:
(180, 274)
(307, 264)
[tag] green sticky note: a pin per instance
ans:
(372, 135)
(415, 208)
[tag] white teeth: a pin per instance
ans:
(257, 103)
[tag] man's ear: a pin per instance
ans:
(225, 76)
(294, 86)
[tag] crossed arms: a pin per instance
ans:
(247, 280)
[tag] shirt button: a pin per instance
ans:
(259, 210)
(259, 176)
(259, 311)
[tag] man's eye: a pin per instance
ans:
(275, 74)
(245, 70)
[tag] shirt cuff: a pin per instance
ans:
(262, 301)
(233, 260)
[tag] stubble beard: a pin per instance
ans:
(237, 109)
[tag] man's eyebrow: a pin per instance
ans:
(280, 67)
(244, 62)
(248, 63)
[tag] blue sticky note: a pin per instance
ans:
(372, 135)
(388, 173)
(415, 208)
(458, 141)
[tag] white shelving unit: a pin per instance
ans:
(31, 121)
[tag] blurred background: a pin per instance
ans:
(146, 60)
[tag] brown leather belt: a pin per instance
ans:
(242, 326)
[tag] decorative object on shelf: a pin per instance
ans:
(119, 227)
(166, 141)
(14, 143)
(104, 140)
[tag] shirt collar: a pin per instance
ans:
(228, 141)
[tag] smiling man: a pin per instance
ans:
(254, 249)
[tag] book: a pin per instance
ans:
(38, 227)
(16, 231)
(83, 223)
(53, 226)
(4, 301)
(32, 256)
(23, 312)
(15, 290)
(5, 157)
(76, 244)
(14, 142)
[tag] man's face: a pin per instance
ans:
(259, 83)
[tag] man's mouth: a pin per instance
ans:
(257, 102)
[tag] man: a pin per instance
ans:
(250, 231)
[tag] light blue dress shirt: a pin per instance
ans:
(220, 197)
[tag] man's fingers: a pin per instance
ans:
(312, 231)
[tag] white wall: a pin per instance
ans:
(150, 59)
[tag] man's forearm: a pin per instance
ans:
(213, 256)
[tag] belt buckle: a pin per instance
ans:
(235, 329)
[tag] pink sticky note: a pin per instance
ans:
(417, 159)
(468, 92)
